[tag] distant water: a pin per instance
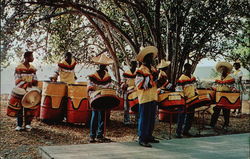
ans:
(44, 72)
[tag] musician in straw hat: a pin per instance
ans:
(65, 70)
(128, 84)
(25, 77)
(97, 81)
(145, 82)
(162, 81)
(223, 83)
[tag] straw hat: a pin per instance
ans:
(31, 98)
(146, 50)
(163, 64)
(225, 64)
(102, 59)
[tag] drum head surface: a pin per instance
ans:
(31, 99)
(19, 91)
(105, 102)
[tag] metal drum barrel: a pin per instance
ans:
(170, 100)
(78, 105)
(229, 100)
(104, 99)
(15, 101)
(53, 101)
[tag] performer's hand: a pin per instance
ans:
(53, 79)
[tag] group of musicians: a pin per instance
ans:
(146, 80)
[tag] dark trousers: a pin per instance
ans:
(216, 114)
(147, 112)
(186, 119)
(97, 124)
(23, 113)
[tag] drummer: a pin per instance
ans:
(187, 84)
(65, 70)
(238, 74)
(145, 82)
(99, 80)
(129, 84)
(162, 81)
(223, 83)
(25, 77)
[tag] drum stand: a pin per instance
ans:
(201, 123)
(171, 120)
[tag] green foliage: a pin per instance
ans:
(181, 30)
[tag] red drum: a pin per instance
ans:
(104, 99)
(170, 100)
(15, 101)
(53, 101)
(133, 100)
(165, 115)
(78, 105)
(121, 105)
(229, 100)
(198, 101)
(210, 92)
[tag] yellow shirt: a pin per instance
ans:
(145, 84)
(25, 77)
(129, 78)
(224, 84)
(187, 85)
(66, 71)
(96, 83)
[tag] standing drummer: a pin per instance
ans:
(187, 84)
(162, 81)
(129, 84)
(238, 74)
(99, 80)
(223, 83)
(145, 82)
(25, 77)
(65, 70)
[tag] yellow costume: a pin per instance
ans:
(224, 84)
(187, 85)
(146, 86)
(25, 77)
(66, 71)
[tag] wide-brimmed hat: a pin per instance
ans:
(102, 59)
(31, 98)
(163, 64)
(225, 64)
(146, 50)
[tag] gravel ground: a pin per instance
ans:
(25, 144)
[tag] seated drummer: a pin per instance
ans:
(99, 80)
(65, 70)
(187, 84)
(223, 83)
(128, 83)
(25, 77)
(162, 81)
(145, 82)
